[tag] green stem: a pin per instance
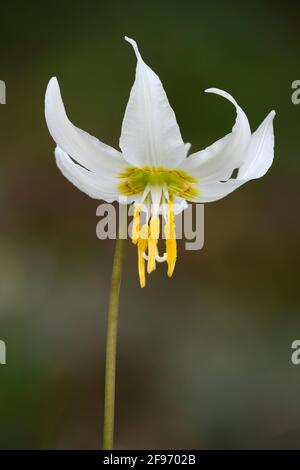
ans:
(111, 347)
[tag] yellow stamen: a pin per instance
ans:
(170, 235)
(136, 227)
(142, 247)
(152, 242)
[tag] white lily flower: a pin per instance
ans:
(153, 169)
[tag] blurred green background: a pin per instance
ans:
(204, 358)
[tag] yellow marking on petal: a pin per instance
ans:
(136, 227)
(134, 180)
(171, 246)
(152, 242)
(142, 247)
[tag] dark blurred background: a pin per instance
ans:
(204, 358)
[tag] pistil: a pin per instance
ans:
(152, 243)
(142, 244)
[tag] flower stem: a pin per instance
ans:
(111, 347)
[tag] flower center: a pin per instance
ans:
(154, 190)
(178, 183)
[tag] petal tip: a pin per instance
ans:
(225, 94)
(53, 81)
(214, 90)
(130, 40)
(52, 86)
(134, 45)
(270, 116)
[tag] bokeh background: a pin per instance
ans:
(204, 359)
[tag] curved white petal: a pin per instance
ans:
(218, 161)
(90, 183)
(150, 134)
(179, 205)
(258, 159)
(260, 152)
(82, 147)
(212, 191)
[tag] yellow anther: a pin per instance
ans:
(171, 246)
(171, 255)
(136, 224)
(142, 247)
(152, 242)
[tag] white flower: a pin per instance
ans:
(153, 169)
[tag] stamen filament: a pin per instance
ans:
(152, 243)
(142, 247)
